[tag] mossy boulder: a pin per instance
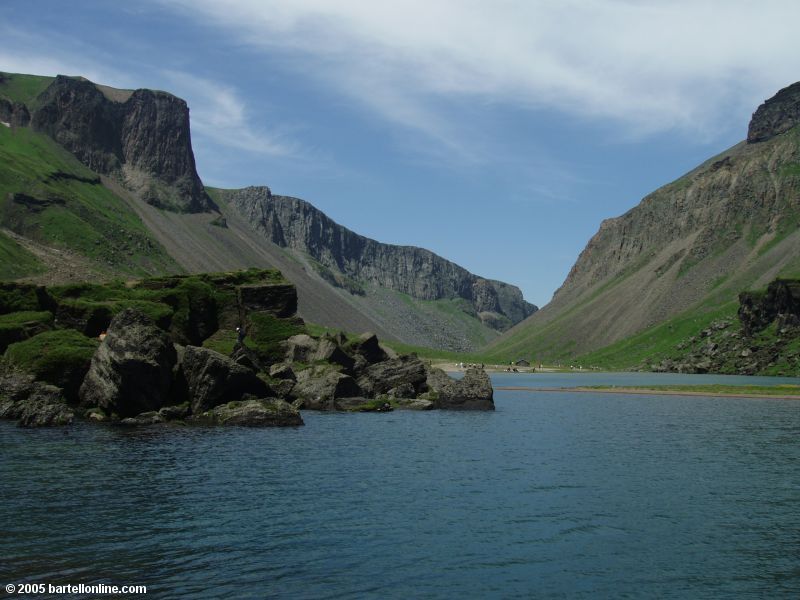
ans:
(61, 357)
(265, 412)
(211, 379)
(319, 386)
(33, 403)
(267, 333)
(132, 370)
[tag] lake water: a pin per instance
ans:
(555, 494)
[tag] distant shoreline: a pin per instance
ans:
(644, 391)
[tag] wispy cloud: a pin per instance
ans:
(219, 113)
(650, 66)
(51, 55)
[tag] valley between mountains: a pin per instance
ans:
(98, 184)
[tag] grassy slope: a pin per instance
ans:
(76, 211)
(16, 261)
(747, 254)
(656, 343)
(23, 88)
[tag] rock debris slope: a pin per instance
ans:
(694, 244)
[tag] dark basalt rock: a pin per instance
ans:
(131, 371)
(264, 412)
(14, 113)
(282, 371)
(777, 115)
(277, 299)
(781, 300)
(145, 139)
(407, 370)
(33, 204)
(368, 347)
(345, 255)
(301, 348)
(244, 356)
(329, 351)
(146, 418)
(472, 392)
(33, 403)
(212, 379)
(320, 385)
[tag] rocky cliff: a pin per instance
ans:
(777, 115)
(347, 258)
(56, 203)
(140, 136)
(730, 224)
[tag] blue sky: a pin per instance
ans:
(497, 134)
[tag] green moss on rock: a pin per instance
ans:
(266, 332)
(59, 357)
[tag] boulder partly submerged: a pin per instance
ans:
(131, 372)
(213, 379)
(32, 403)
(472, 392)
(255, 412)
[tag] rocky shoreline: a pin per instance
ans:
(151, 367)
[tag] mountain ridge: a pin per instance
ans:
(139, 143)
(727, 225)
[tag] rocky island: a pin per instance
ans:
(167, 350)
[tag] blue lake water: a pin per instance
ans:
(555, 494)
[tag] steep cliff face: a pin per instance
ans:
(54, 201)
(296, 224)
(142, 136)
(730, 224)
(777, 115)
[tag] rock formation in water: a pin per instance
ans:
(131, 371)
(141, 136)
(140, 373)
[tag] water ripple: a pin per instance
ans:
(551, 495)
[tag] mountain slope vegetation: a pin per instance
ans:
(686, 250)
(99, 183)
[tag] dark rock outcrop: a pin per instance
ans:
(212, 379)
(277, 299)
(33, 403)
(380, 378)
(301, 348)
(14, 113)
(131, 372)
(264, 412)
(368, 347)
(296, 224)
(777, 115)
(780, 301)
(472, 392)
(319, 386)
(144, 139)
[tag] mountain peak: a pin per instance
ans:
(776, 115)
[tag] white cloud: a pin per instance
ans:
(650, 66)
(218, 113)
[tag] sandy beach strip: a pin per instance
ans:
(648, 392)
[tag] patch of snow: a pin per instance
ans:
(6, 124)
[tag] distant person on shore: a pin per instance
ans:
(240, 335)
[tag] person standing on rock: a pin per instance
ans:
(240, 335)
